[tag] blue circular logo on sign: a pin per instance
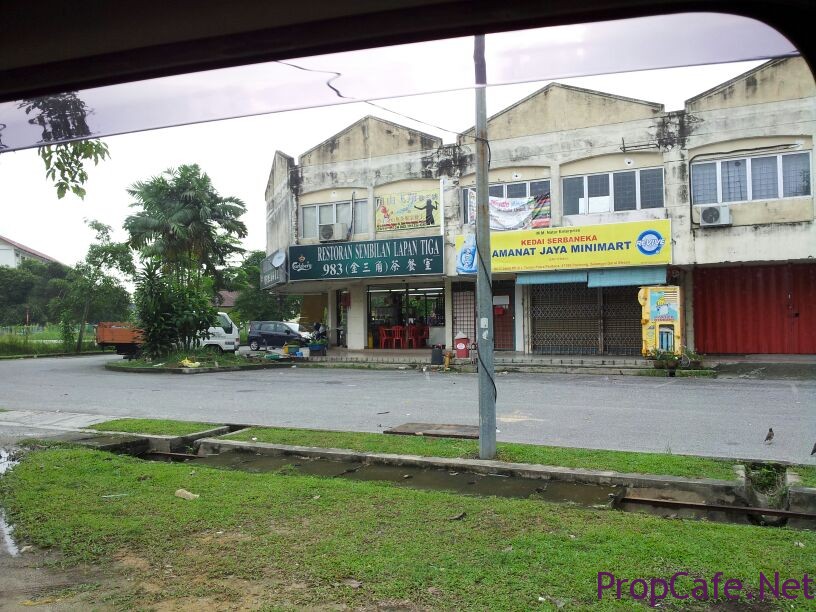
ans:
(650, 242)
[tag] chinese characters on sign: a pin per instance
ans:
(399, 211)
(371, 258)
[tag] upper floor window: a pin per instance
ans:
(525, 189)
(315, 215)
(613, 191)
(764, 177)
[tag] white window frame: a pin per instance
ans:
(469, 188)
(334, 216)
(583, 203)
(780, 188)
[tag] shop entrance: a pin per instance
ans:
(464, 313)
(406, 316)
(574, 319)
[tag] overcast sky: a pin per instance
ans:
(237, 153)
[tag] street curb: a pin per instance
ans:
(471, 369)
(233, 368)
(47, 355)
(692, 488)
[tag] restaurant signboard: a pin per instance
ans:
(421, 256)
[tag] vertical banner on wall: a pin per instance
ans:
(407, 210)
(508, 214)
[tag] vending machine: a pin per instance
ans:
(662, 319)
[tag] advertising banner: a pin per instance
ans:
(507, 214)
(639, 243)
(367, 259)
(409, 210)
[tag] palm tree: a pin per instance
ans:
(185, 223)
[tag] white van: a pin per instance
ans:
(225, 336)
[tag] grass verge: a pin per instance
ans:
(156, 427)
(807, 474)
(205, 359)
(618, 461)
(255, 540)
(17, 346)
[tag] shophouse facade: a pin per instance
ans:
(592, 196)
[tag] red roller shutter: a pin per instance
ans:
(755, 309)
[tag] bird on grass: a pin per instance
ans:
(769, 438)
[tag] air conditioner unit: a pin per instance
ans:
(333, 232)
(715, 215)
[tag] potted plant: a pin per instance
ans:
(319, 346)
(665, 359)
(694, 360)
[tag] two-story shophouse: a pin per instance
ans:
(592, 196)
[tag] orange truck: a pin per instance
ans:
(125, 337)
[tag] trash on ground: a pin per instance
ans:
(185, 494)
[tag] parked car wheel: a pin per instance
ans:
(253, 345)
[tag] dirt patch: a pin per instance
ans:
(131, 562)
(33, 580)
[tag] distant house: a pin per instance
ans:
(12, 254)
(225, 300)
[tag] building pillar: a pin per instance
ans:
(372, 208)
(331, 316)
(519, 314)
(449, 313)
(688, 308)
(357, 332)
(556, 207)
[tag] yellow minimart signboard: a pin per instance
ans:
(613, 245)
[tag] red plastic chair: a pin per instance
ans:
(386, 338)
(397, 336)
(412, 336)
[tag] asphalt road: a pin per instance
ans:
(682, 415)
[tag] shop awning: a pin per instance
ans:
(612, 277)
(550, 278)
(623, 277)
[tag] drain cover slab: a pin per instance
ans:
(436, 430)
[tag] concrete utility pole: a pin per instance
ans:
(484, 289)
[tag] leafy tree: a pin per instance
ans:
(91, 282)
(185, 223)
(26, 291)
(256, 304)
(155, 311)
(170, 314)
(63, 117)
(65, 164)
(186, 232)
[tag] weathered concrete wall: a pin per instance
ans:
(559, 107)
(280, 204)
(369, 137)
(767, 112)
(783, 79)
